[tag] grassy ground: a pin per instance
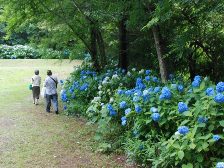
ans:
(29, 137)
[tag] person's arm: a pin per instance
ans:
(32, 80)
(56, 80)
(45, 83)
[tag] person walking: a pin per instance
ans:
(36, 81)
(51, 95)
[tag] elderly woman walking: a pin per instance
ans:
(36, 81)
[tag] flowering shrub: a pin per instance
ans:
(18, 52)
(28, 52)
(179, 124)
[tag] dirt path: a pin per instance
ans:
(31, 138)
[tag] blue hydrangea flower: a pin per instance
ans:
(84, 87)
(197, 78)
(111, 110)
(156, 89)
(196, 83)
(64, 96)
(155, 117)
(145, 93)
(139, 84)
(83, 77)
(146, 98)
(136, 98)
(127, 111)
(147, 78)
(138, 109)
(220, 165)
(128, 92)
(174, 86)
(123, 121)
(219, 98)
(202, 119)
(183, 130)
(61, 81)
(220, 87)
(109, 107)
(210, 91)
(113, 113)
(216, 137)
(65, 107)
(155, 79)
(76, 84)
(154, 110)
(71, 90)
(120, 92)
(138, 92)
(123, 104)
(180, 88)
(165, 94)
(147, 72)
(182, 107)
(150, 89)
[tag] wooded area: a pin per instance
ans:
(170, 36)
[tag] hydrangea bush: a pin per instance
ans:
(177, 124)
(18, 52)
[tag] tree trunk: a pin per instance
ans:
(159, 50)
(93, 49)
(192, 65)
(101, 48)
(123, 57)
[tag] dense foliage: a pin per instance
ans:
(167, 121)
(184, 36)
(28, 52)
(18, 51)
(172, 125)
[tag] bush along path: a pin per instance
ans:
(30, 138)
(177, 124)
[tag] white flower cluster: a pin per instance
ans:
(96, 100)
(106, 80)
(141, 71)
(115, 76)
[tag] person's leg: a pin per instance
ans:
(55, 102)
(33, 92)
(48, 103)
(37, 95)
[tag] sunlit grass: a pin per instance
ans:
(29, 137)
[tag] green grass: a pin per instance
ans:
(29, 137)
